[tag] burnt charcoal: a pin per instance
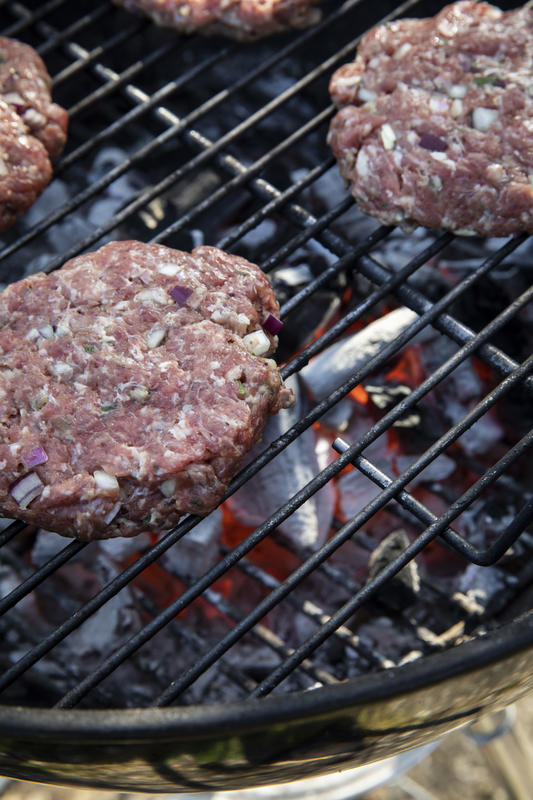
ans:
(402, 590)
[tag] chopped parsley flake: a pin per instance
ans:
(89, 348)
(483, 80)
(241, 272)
(109, 407)
(242, 390)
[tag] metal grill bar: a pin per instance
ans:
(91, 609)
(317, 614)
(492, 358)
(387, 573)
(208, 148)
(113, 661)
(76, 27)
(483, 558)
(388, 283)
(181, 632)
(30, 18)
(27, 586)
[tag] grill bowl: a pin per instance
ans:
(214, 140)
(276, 739)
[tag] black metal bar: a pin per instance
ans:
(133, 644)
(30, 18)
(27, 586)
(457, 542)
(208, 149)
(96, 602)
(374, 584)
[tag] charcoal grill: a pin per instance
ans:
(182, 140)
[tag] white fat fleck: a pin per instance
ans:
(62, 328)
(257, 343)
(155, 337)
(243, 319)
(457, 91)
(443, 158)
(46, 331)
(13, 97)
(366, 95)
(140, 393)
(361, 165)
(234, 373)
(180, 430)
(33, 333)
(122, 305)
(496, 174)
(3, 168)
(169, 269)
(155, 295)
(110, 516)
(483, 118)
(14, 448)
(402, 50)
(105, 480)
(412, 137)
(348, 81)
(398, 158)
(168, 487)
(388, 137)
(465, 232)
(61, 369)
(439, 103)
(457, 108)
(218, 316)
(435, 182)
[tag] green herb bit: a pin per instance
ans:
(89, 348)
(483, 80)
(241, 272)
(109, 407)
(242, 390)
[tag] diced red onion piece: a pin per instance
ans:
(180, 294)
(272, 325)
(35, 457)
(430, 142)
(26, 489)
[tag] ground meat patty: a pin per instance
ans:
(126, 406)
(436, 124)
(32, 129)
(239, 19)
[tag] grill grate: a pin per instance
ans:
(234, 142)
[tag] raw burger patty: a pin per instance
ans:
(436, 124)
(32, 129)
(142, 402)
(240, 19)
